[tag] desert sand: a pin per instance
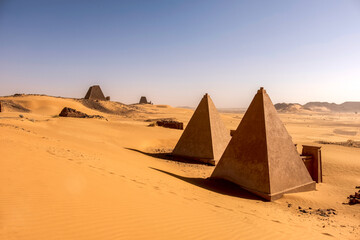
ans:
(71, 178)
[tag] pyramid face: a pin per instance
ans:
(220, 135)
(261, 156)
(205, 136)
(95, 93)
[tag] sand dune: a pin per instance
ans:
(68, 178)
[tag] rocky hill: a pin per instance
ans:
(319, 107)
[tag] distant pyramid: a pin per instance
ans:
(143, 100)
(95, 93)
(205, 137)
(261, 156)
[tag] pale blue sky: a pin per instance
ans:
(175, 51)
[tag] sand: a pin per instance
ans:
(68, 178)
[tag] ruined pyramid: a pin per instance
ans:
(143, 100)
(261, 156)
(95, 93)
(205, 137)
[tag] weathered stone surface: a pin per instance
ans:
(205, 137)
(261, 156)
(70, 112)
(170, 124)
(159, 119)
(95, 93)
(354, 199)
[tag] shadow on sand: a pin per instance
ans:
(215, 185)
(167, 156)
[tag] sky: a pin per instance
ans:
(173, 52)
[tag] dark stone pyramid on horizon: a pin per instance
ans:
(261, 156)
(143, 100)
(95, 93)
(205, 137)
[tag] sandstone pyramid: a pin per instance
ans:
(95, 93)
(205, 137)
(261, 156)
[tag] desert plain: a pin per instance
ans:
(111, 178)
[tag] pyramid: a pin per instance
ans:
(95, 93)
(205, 137)
(261, 156)
(143, 100)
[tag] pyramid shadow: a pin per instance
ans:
(167, 156)
(215, 185)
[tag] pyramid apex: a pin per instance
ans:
(261, 90)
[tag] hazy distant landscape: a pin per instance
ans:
(319, 107)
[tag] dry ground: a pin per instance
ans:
(67, 178)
